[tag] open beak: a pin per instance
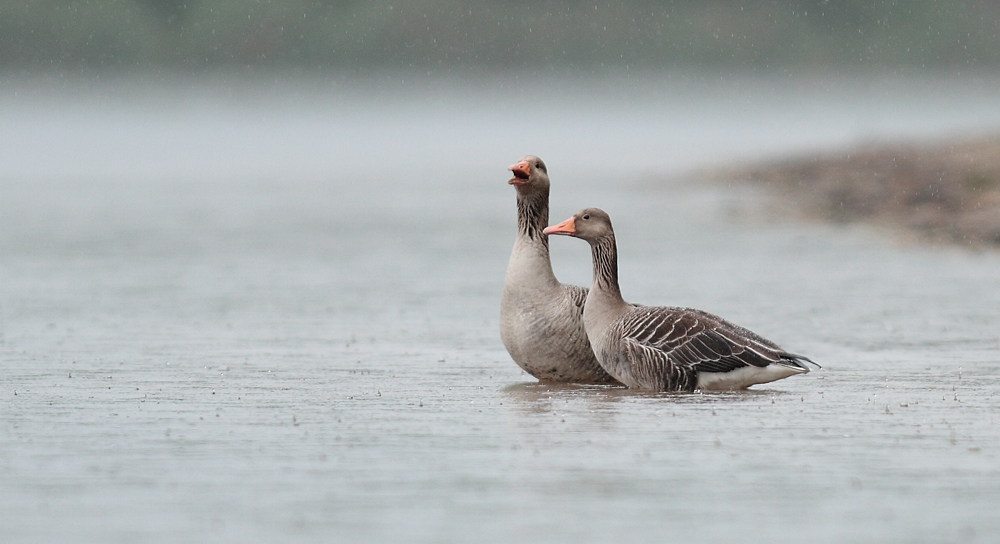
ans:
(567, 227)
(522, 171)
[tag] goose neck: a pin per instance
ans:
(533, 216)
(605, 257)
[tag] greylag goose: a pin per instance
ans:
(541, 320)
(666, 348)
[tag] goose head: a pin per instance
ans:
(530, 175)
(590, 224)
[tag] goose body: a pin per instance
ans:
(541, 320)
(665, 348)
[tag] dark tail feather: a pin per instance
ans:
(799, 360)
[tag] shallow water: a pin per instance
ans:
(274, 317)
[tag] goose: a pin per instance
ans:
(667, 348)
(541, 320)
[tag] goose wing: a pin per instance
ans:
(693, 340)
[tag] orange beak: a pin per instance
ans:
(522, 171)
(567, 227)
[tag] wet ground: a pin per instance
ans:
(943, 192)
(275, 318)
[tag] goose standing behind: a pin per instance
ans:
(666, 348)
(541, 320)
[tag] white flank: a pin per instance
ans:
(741, 378)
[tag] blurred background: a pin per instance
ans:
(440, 36)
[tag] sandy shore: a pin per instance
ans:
(943, 192)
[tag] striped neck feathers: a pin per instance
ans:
(605, 256)
(533, 216)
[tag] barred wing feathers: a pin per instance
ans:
(689, 341)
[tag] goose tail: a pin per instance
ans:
(795, 360)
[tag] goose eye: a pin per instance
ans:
(586, 216)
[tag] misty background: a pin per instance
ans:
(439, 36)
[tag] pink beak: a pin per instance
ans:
(522, 171)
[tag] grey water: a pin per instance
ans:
(257, 311)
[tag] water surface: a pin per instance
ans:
(268, 314)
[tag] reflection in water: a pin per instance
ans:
(532, 392)
(539, 397)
